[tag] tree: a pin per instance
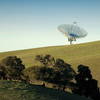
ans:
(85, 84)
(65, 72)
(55, 71)
(13, 67)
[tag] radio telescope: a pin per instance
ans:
(72, 31)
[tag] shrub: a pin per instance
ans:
(12, 67)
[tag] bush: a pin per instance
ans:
(52, 70)
(12, 67)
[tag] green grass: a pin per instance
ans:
(87, 54)
(10, 90)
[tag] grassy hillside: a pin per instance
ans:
(20, 91)
(87, 53)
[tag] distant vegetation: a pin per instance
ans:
(51, 70)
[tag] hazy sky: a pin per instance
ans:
(33, 23)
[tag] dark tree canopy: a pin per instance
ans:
(86, 85)
(55, 71)
(12, 67)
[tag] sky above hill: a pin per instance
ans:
(33, 23)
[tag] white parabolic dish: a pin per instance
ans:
(72, 31)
